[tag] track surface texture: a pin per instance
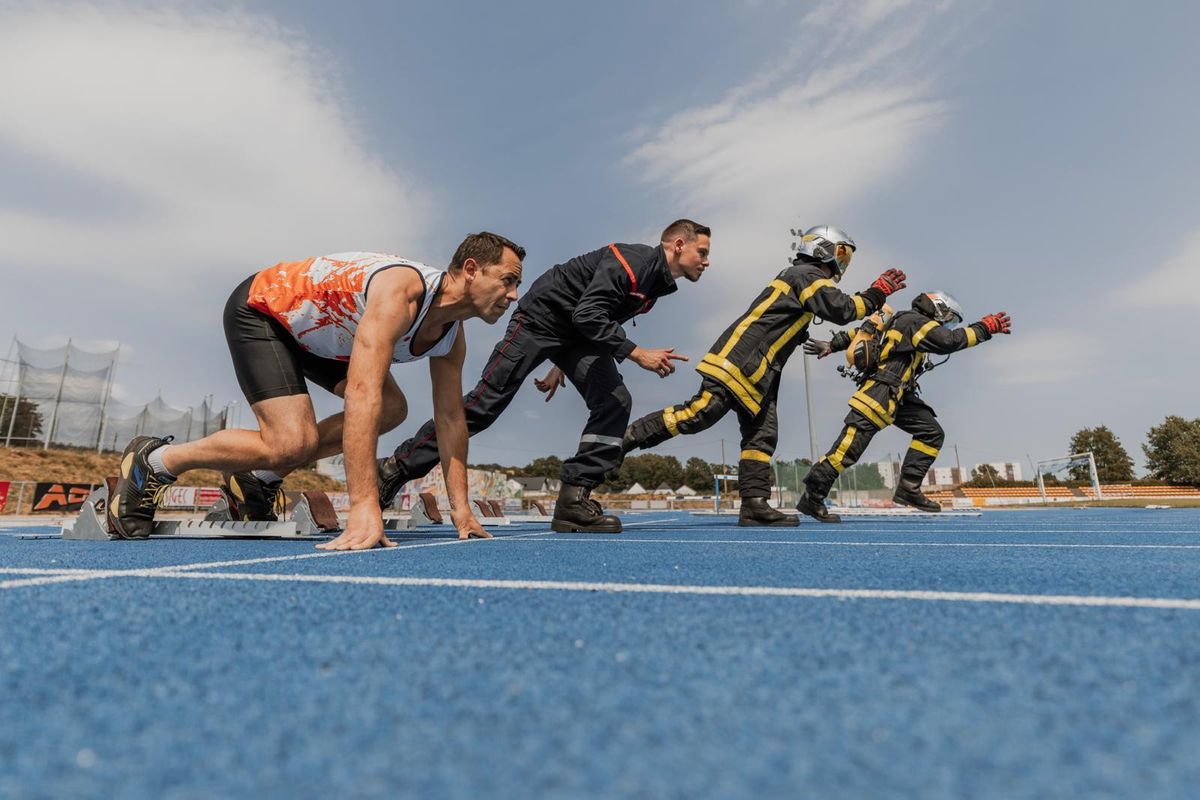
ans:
(1024, 654)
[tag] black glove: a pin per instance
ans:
(817, 347)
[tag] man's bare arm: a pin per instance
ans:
(450, 421)
(391, 308)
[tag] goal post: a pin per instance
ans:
(1052, 465)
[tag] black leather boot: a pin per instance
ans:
(577, 512)
(909, 495)
(816, 509)
(757, 512)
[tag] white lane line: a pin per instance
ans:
(328, 553)
(724, 591)
(68, 574)
(626, 540)
(47, 579)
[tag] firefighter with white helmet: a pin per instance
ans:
(888, 394)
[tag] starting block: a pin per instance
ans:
(313, 517)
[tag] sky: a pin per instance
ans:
(1030, 157)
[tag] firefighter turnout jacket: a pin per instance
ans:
(752, 352)
(906, 343)
(594, 294)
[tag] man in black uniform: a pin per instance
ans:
(741, 371)
(572, 315)
(888, 392)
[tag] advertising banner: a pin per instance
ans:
(190, 496)
(3, 494)
(60, 497)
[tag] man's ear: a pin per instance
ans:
(470, 269)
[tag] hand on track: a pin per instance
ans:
(364, 530)
(468, 526)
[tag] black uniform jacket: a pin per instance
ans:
(750, 354)
(906, 341)
(592, 295)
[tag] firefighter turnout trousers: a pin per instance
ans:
(589, 367)
(912, 416)
(760, 432)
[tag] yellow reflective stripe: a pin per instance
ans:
(784, 338)
(869, 402)
(860, 307)
(857, 404)
(921, 447)
(835, 459)
(685, 414)
(813, 288)
(972, 337)
(732, 370)
(920, 335)
(756, 455)
(778, 287)
(892, 338)
(726, 380)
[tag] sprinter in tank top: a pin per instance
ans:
(339, 321)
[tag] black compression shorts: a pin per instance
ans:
(266, 357)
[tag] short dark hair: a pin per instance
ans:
(685, 228)
(486, 248)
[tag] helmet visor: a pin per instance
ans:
(842, 253)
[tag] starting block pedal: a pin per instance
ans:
(425, 510)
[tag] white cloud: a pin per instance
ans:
(1172, 285)
(222, 134)
(799, 143)
(1041, 356)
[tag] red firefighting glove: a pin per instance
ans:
(890, 282)
(997, 323)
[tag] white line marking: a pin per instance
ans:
(624, 540)
(725, 591)
(68, 574)
(18, 583)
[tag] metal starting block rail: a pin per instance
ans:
(313, 517)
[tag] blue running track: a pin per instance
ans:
(1026, 654)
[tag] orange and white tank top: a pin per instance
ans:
(321, 301)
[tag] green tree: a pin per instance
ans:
(28, 422)
(985, 473)
(698, 474)
(1113, 463)
(650, 470)
(544, 467)
(862, 476)
(1173, 450)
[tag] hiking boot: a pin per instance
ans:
(577, 512)
(913, 497)
(389, 479)
(251, 499)
(757, 512)
(130, 511)
(816, 509)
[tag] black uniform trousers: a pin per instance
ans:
(912, 416)
(760, 432)
(592, 370)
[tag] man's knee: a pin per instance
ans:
(933, 435)
(291, 448)
(623, 399)
(395, 411)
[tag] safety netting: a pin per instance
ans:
(63, 396)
